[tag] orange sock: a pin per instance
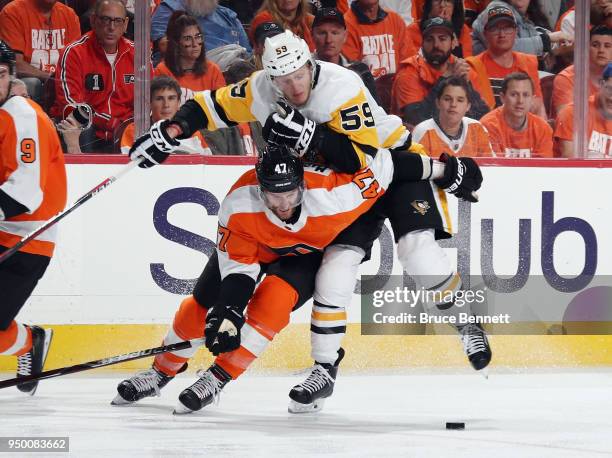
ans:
(189, 322)
(267, 314)
(15, 340)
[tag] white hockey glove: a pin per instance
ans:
(289, 127)
(155, 146)
(462, 177)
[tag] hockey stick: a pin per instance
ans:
(84, 198)
(103, 362)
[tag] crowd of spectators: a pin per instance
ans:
(476, 77)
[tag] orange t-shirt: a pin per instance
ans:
(415, 39)
(414, 81)
(473, 142)
(382, 45)
(40, 40)
(535, 141)
(599, 130)
(303, 31)
(563, 89)
(491, 74)
(212, 79)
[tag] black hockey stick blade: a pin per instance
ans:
(103, 362)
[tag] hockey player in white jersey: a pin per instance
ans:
(325, 112)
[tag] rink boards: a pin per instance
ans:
(126, 258)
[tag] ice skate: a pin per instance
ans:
(476, 346)
(33, 361)
(204, 391)
(142, 385)
(309, 396)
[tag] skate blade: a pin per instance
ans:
(47, 344)
(181, 409)
(297, 407)
(119, 401)
(484, 372)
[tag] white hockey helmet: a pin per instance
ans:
(284, 53)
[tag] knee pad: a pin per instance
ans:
(189, 320)
(422, 258)
(337, 275)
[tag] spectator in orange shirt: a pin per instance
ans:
(37, 30)
(165, 102)
(185, 58)
(513, 131)
(291, 14)
(499, 60)
(599, 131)
(451, 131)
(329, 34)
(600, 53)
(451, 11)
(418, 81)
(377, 38)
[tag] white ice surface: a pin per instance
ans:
(557, 414)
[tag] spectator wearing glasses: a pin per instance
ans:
(499, 59)
(185, 58)
(531, 37)
(37, 30)
(94, 80)
(599, 129)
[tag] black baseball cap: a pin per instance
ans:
(266, 30)
(436, 23)
(498, 14)
(328, 15)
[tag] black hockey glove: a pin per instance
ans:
(154, 147)
(223, 326)
(289, 127)
(462, 177)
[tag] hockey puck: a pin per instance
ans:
(450, 425)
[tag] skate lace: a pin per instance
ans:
(473, 339)
(317, 379)
(207, 385)
(24, 364)
(147, 381)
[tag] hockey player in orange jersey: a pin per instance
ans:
(276, 219)
(32, 190)
(324, 111)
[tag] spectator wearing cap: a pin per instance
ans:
(291, 14)
(529, 38)
(418, 81)
(451, 11)
(600, 53)
(499, 59)
(513, 131)
(329, 34)
(263, 31)
(185, 59)
(599, 129)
